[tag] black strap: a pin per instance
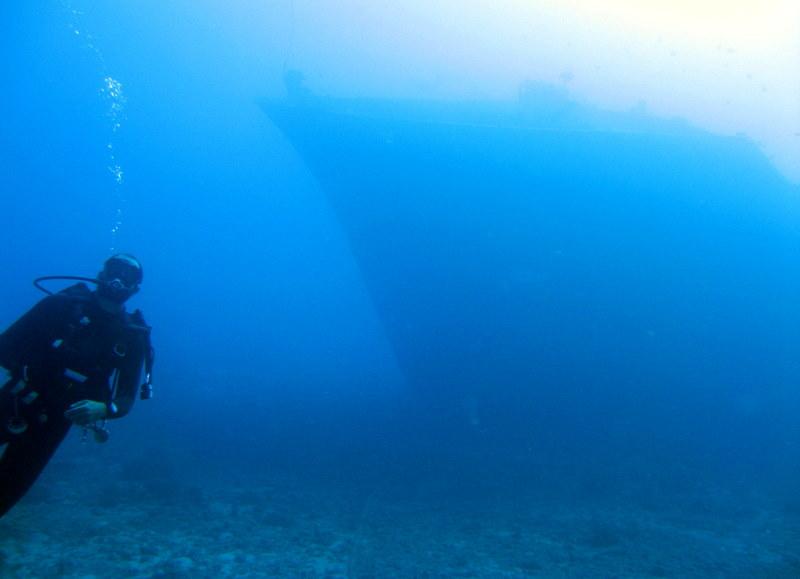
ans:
(146, 390)
(137, 322)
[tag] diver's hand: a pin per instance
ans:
(86, 412)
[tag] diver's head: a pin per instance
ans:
(120, 278)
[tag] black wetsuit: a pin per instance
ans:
(65, 349)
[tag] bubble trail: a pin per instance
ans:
(111, 91)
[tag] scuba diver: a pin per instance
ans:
(75, 358)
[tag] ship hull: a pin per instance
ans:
(516, 264)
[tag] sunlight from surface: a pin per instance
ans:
(727, 67)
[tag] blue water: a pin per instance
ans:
(575, 357)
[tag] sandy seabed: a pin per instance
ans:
(88, 520)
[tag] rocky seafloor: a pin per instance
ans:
(88, 518)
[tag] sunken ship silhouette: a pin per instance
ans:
(551, 259)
